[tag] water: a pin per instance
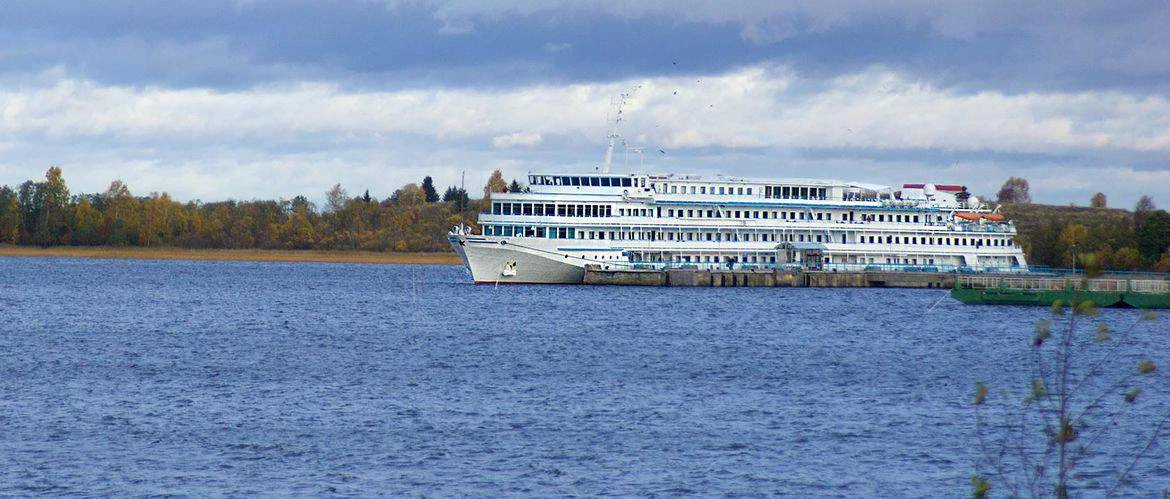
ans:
(149, 377)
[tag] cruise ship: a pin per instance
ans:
(563, 222)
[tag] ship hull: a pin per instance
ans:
(494, 261)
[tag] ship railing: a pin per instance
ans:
(1145, 286)
(1065, 283)
(824, 267)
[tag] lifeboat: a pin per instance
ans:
(972, 217)
(994, 217)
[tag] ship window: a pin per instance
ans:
(703, 190)
(819, 215)
(527, 208)
(674, 189)
(915, 218)
(721, 190)
(507, 208)
(690, 213)
(595, 181)
(749, 191)
(626, 182)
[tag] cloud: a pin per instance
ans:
(763, 120)
(971, 45)
(515, 140)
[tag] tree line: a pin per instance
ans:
(1094, 236)
(414, 218)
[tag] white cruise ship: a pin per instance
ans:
(563, 222)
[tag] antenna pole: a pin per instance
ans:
(613, 134)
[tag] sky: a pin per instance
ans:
(265, 99)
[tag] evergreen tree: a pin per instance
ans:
(515, 186)
(428, 187)
(456, 195)
(1153, 234)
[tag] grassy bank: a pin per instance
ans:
(255, 255)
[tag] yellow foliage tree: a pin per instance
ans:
(495, 183)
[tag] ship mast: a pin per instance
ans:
(613, 134)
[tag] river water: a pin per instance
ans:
(200, 378)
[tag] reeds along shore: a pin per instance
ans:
(255, 255)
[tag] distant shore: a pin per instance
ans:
(253, 255)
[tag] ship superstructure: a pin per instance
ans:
(563, 222)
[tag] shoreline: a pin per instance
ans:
(250, 255)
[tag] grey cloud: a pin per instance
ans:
(973, 45)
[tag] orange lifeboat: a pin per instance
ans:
(972, 217)
(994, 217)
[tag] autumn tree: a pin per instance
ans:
(1126, 258)
(121, 215)
(1098, 200)
(495, 183)
(86, 224)
(409, 195)
(336, 199)
(1071, 241)
(1144, 205)
(9, 216)
(1015, 190)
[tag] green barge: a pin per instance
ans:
(1044, 291)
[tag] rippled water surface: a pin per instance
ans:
(144, 377)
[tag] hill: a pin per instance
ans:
(1106, 237)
